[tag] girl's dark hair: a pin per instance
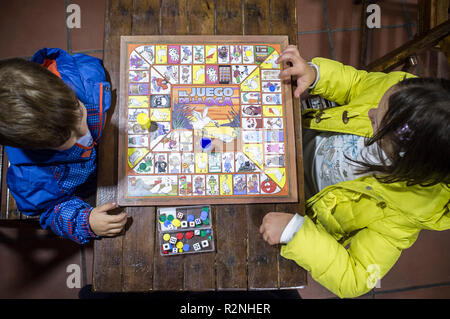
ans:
(417, 124)
(37, 109)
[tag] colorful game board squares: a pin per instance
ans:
(212, 185)
(252, 82)
(161, 54)
(138, 76)
(199, 54)
(239, 184)
(173, 54)
(270, 61)
(137, 62)
(170, 158)
(226, 184)
(248, 54)
(168, 72)
(138, 89)
(271, 86)
(186, 54)
(185, 74)
(185, 185)
(198, 74)
(138, 101)
(159, 101)
(152, 185)
(147, 52)
(212, 74)
(235, 54)
(272, 110)
(211, 54)
(223, 54)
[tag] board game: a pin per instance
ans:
(204, 120)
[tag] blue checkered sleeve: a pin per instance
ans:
(70, 219)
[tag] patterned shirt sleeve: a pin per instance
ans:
(70, 219)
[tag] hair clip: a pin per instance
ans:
(404, 132)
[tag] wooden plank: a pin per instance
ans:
(256, 17)
(261, 257)
(173, 17)
(231, 247)
(200, 17)
(283, 21)
(138, 250)
(199, 270)
(415, 46)
(146, 14)
(107, 267)
(169, 271)
(229, 17)
(138, 241)
(3, 191)
(231, 224)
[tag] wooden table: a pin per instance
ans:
(243, 260)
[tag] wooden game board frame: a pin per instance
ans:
(288, 116)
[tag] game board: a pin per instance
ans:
(204, 120)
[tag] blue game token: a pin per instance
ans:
(186, 247)
(167, 223)
(203, 215)
(205, 142)
(272, 88)
(208, 231)
(190, 218)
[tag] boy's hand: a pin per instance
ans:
(103, 224)
(302, 71)
(273, 225)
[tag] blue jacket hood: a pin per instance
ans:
(86, 77)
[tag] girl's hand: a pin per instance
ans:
(300, 70)
(103, 224)
(273, 225)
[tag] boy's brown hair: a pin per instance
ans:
(37, 109)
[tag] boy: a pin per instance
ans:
(52, 112)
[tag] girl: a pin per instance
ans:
(391, 129)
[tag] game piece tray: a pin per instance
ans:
(185, 230)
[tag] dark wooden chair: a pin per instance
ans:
(433, 29)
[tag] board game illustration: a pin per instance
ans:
(204, 120)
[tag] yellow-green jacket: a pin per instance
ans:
(376, 220)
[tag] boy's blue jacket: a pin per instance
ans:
(49, 182)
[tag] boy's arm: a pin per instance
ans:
(36, 192)
(70, 219)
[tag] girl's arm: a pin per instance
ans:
(335, 81)
(348, 272)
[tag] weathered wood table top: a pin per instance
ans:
(242, 260)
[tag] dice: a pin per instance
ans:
(196, 246)
(204, 243)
